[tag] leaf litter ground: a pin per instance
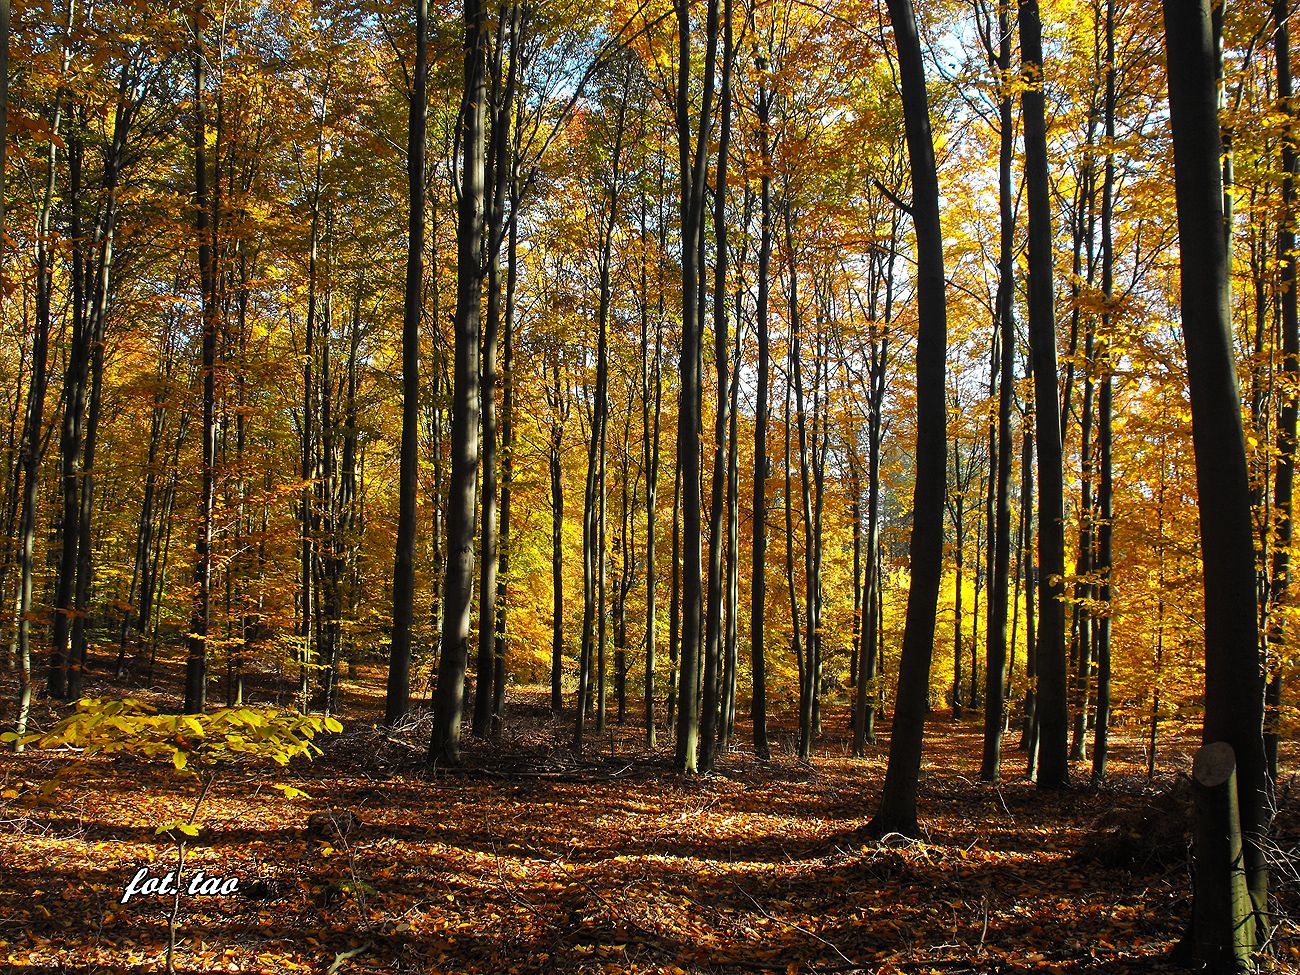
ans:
(527, 858)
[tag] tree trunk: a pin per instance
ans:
(1052, 704)
(1284, 478)
(502, 638)
(1234, 687)
(458, 584)
(758, 576)
(693, 157)
(897, 812)
(559, 411)
(398, 698)
(196, 666)
(996, 663)
(31, 443)
(1105, 487)
(713, 634)
(651, 383)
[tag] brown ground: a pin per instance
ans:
(528, 859)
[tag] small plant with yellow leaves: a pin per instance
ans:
(196, 745)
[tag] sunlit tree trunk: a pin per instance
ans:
(458, 584)
(196, 667)
(559, 404)
(594, 501)
(30, 453)
(651, 403)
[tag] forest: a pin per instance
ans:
(706, 486)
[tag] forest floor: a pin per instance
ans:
(527, 858)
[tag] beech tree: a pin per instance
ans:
(897, 812)
(1234, 684)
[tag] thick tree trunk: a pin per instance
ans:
(1234, 684)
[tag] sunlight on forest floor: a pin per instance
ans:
(527, 859)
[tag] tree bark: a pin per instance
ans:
(1052, 703)
(397, 702)
(458, 585)
(897, 812)
(996, 662)
(196, 666)
(1234, 684)
(758, 576)
(693, 157)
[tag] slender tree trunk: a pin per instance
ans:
(693, 164)
(502, 640)
(31, 443)
(1052, 703)
(1105, 487)
(713, 634)
(398, 698)
(758, 575)
(675, 604)
(71, 432)
(499, 165)
(593, 536)
(996, 664)
(558, 413)
(458, 587)
(959, 537)
(651, 384)
(897, 812)
(196, 667)
(1284, 478)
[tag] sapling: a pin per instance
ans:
(197, 746)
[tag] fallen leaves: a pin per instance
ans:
(764, 868)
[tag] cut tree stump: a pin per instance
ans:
(1223, 922)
